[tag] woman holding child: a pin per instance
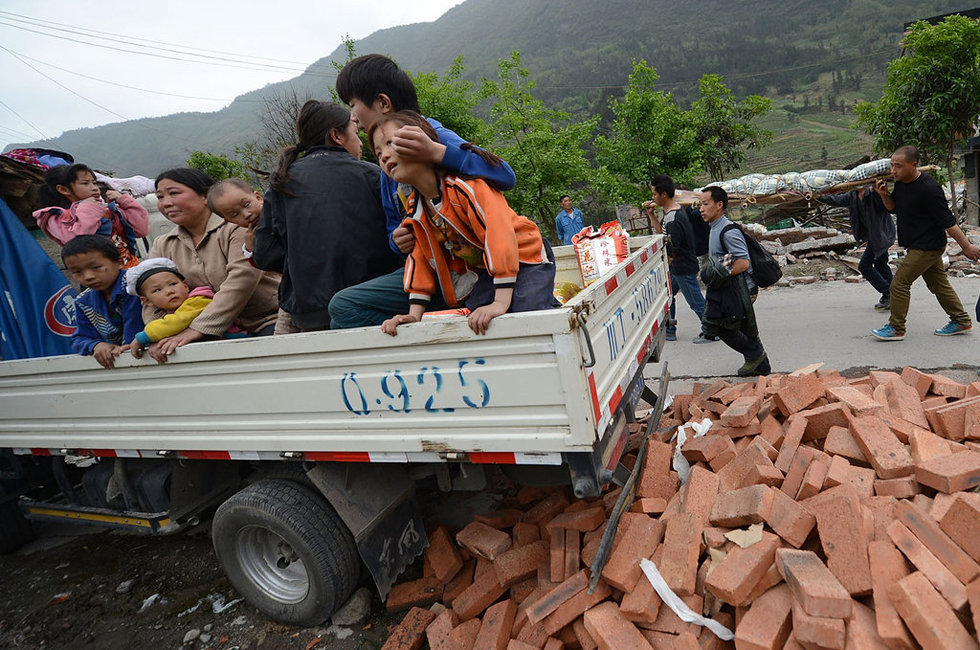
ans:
(209, 252)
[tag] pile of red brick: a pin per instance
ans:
(819, 512)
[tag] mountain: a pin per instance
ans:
(580, 54)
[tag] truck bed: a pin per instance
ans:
(526, 392)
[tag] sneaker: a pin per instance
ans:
(701, 338)
(952, 329)
(888, 333)
(754, 367)
(885, 304)
(671, 335)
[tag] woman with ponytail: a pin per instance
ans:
(322, 224)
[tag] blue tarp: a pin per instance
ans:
(37, 304)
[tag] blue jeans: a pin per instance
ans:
(688, 285)
(876, 270)
(369, 303)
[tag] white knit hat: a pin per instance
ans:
(136, 276)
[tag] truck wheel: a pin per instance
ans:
(15, 530)
(286, 550)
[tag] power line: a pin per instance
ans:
(23, 118)
(227, 63)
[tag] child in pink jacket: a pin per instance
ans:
(76, 208)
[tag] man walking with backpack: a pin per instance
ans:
(728, 311)
(681, 252)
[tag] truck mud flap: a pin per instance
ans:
(377, 503)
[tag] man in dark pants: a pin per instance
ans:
(871, 222)
(728, 311)
(924, 221)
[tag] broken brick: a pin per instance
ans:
(495, 630)
(962, 523)
(817, 631)
(610, 629)
(887, 455)
(748, 505)
(732, 580)
(443, 555)
(482, 540)
(409, 634)
(812, 584)
(520, 563)
(954, 473)
(681, 550)
(767, 623)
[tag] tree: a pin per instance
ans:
(724, 125)
(279, 113)
(543, 146)
(452, 101)
(931, 97)
(217, 166)
(650, 136)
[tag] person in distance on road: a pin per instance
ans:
(924, 221)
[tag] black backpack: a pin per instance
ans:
(765, 268)
(700, 228)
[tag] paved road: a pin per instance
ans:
(831, 322)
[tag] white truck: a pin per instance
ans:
(305, 448)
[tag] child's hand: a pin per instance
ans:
(106, 353)
(388, 327)
(136, 349)
(166, 346)
(411, 142)
(250, 236)
(112, 195)
(404, 239)
(479, 319)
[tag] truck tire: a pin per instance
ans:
(15, 530)
(285, 549)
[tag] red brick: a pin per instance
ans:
(840, 442)
(741, 411)
(554, 644)
(733, 579)
(797, 395)
(410, 633)
(443, 555)
(817, 631)
(862, 480)
(459, 583)
(840, 524)
(812, 584)
(574, 607)
(546, 509)
(820, 419)
(769, 579)
(942, 385)
(926, 445)
(772, 431)
(901, 428)
(649, 506)
(655, 479)
(557, 555)
(482, 540)
(917, 379)
(813, 479)
(550, 601)
(494, 633)
(955, 473)
(928, 564)
(514, 644)
(882, 377)
(715, 537)
(582, 520)
(764, 475)
(862, 633)
(610, 629)
(748, 505)
(905, 487)
(525, 534)
(681, 550)
(938, 542)
(795, 427)
(484, 591)
(971, 421)
(733, 475)
(636, 539)
(520, 563)
(962, 523)
(949, 420)
(927, 615)
(572, 552)
(837, 473)
(437, 632)
(669, 622)
(859, 402)
(417, 593)
(641, 604)
(789, 520)
(973, 595)
(903, 402)
(500, 518)
(482, 566)
(520, 591)
(582, 635)
(704, 448)
(464, 635)
(889, 457)
(797, 470)
(888, 566)
(767, 623)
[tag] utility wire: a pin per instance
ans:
(2, 103)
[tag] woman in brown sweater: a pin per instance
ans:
(209, 252)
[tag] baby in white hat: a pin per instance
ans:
(158, 281)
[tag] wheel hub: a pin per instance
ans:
(270, 562)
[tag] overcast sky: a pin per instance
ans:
(67, 64)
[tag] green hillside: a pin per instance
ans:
(805, 55)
